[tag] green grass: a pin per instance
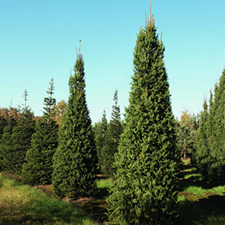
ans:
(200, 203)
(103, 186)
(22, 204)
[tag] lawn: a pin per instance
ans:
(199, 203)
(22, 204)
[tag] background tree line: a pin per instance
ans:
(142, 153)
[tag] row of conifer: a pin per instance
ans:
(141, 153)
(209, 146)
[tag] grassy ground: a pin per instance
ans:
(22, 204)
(199, 203)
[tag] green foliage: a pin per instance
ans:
(76, 158)
(201, 157)
(186, 130)
(112, 138)
(20, 141)
(6, 144)
(145, 186)
(37, 168)
(100, 135)
(59, 109)
(3, 123)
(49, 102)
(210, 140)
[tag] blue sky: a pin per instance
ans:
(38, 41)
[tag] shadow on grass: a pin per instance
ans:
(199, 209)
(102, 193)
(17, 218)
(97, 208)
(195, 178)
(204, 211)
(39, 212)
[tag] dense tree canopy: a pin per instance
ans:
(37, 168)
(75, 160)
(145, 188)
(112, 138)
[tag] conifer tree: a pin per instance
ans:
(76, 158)
(112, 139)
(20, 140)
(37, 168)
(217, 136)
(210, 141)
(201, 158)
(3, 123)
(100, 135)
(6, 144)
(145, 187)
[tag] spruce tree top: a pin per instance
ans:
(49, 102)
(77, 86)
(77, 82)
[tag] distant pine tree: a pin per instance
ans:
(100, 135)
(201, 156)
(37, 168)
(6, 144)
(146, 186)
(112, 140)
(20, 140)
(3, 123)
(76, 158)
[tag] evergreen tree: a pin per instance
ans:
(210, 141)
(37, 168)
(6, 144)
(112, 139)
(217, 136)
(76, 158)
(201, 158)
(20, 140)
(145, 187)
(100, 135)
(3, 122)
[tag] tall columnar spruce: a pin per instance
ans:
(75, 160)
(146, 186)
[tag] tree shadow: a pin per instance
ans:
(97, 208)
(102, 193)
(205, 210)
(195, 178)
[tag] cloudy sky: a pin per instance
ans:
(38, 41)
